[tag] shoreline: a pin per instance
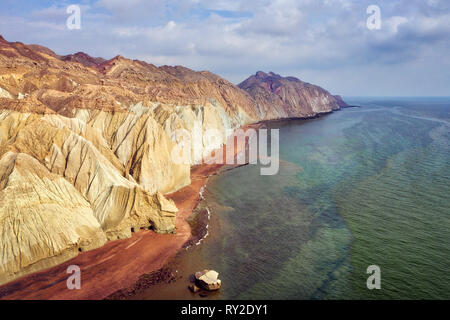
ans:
(130, 262)
(143, 256)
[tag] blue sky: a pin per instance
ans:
(325, 42)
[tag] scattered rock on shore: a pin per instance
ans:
(163, 275)
(208, 280)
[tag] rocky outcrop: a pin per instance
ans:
(44, 220)
(208, 280)
(280, 97)
(61, 170)
(87, 145)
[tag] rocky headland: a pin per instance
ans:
(86, 146)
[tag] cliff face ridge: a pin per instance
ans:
(86, 145)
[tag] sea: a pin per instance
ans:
(361, 187)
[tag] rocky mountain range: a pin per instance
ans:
(86, 144)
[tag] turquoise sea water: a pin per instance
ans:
(359, 187)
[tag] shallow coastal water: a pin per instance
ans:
(359, 187)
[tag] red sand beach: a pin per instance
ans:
(119, 263)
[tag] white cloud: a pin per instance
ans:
(287, 36)
(394, 22)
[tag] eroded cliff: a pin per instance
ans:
(87, 144)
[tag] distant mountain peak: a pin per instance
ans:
(262, 74)
(272, 75)
(84, 59)
(281, 97)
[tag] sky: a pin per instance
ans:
(325, 42)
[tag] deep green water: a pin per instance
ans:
(358, 187)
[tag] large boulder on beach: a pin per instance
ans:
(208, 280)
